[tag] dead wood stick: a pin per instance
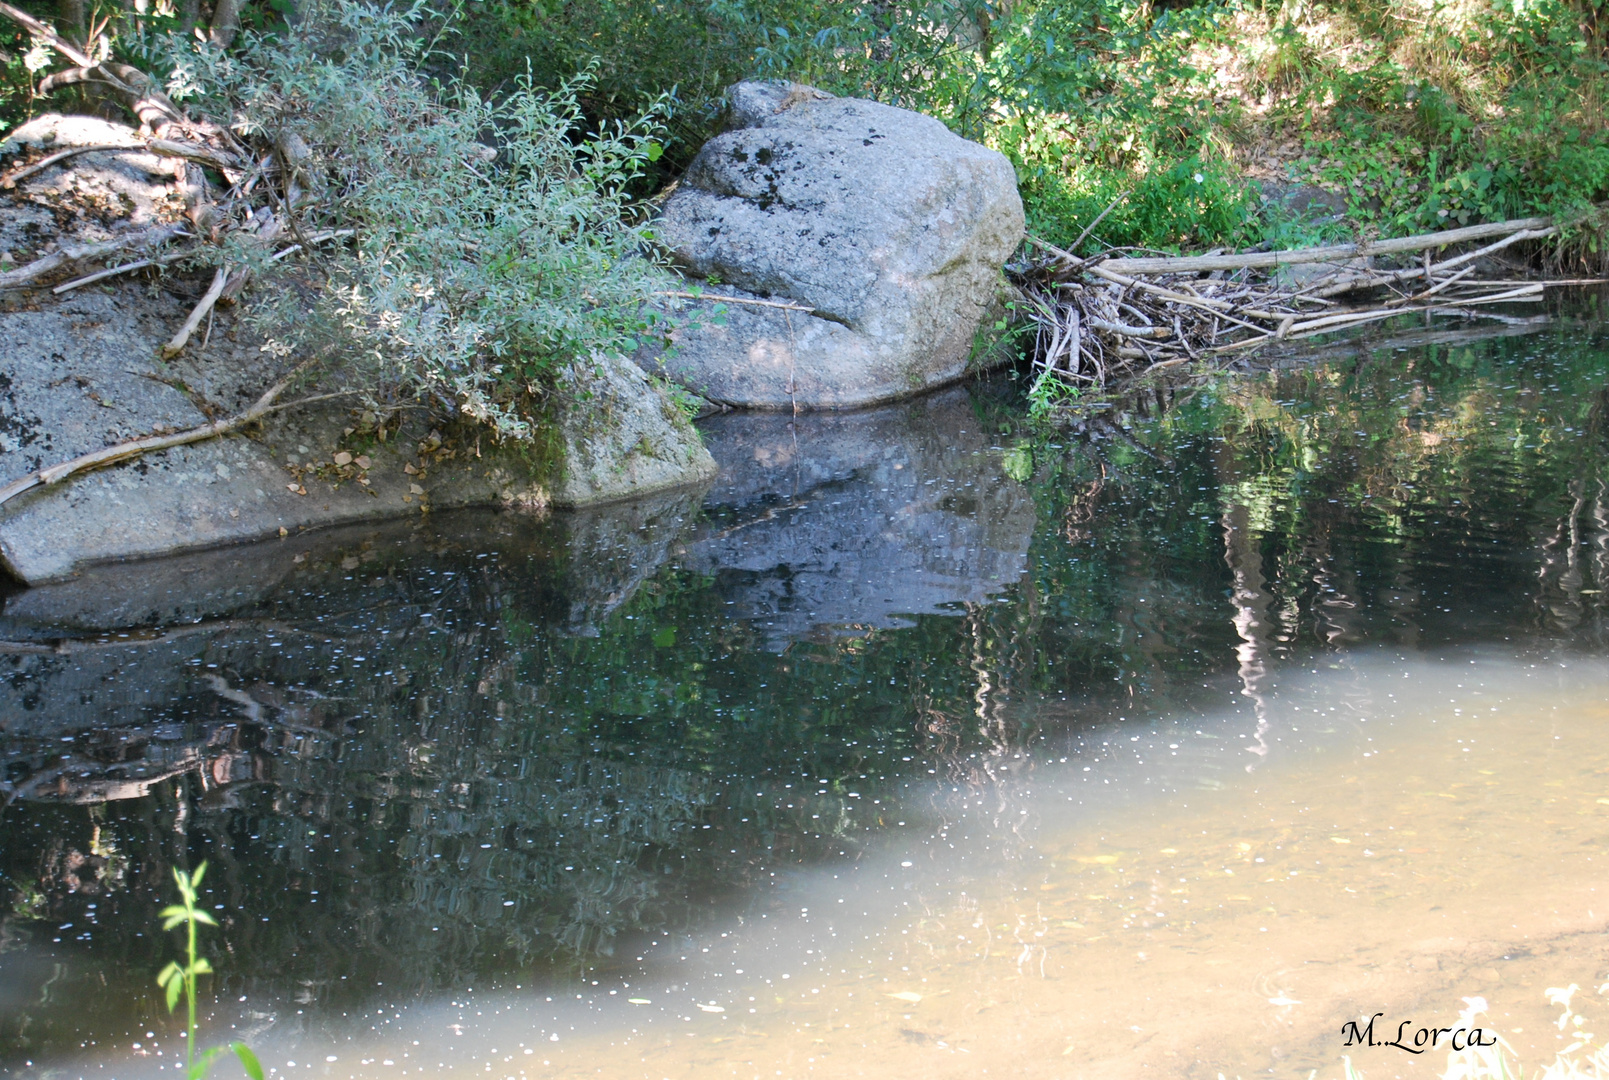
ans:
(1521, 293)
(1346, 318)
(1065, 256)
(316, 238)
(1100, 217)
(1365, 281)
(1548, 283)
(176, 346)
(135, 447)
(1439, 286)
(1206, 303)
(47, 35)
(1333, 253)
(1121, 330)
(101, 275)
(201, 155)
(11, 180)
(737, 300)
(67, 253)
(1160, 364)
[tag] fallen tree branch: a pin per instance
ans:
(46, 34)
(737, 300)
(201, 155)
(1371, 280)
(176, 346)
(24, 276)
(113, 271)
(135, 447)
(1264, 260)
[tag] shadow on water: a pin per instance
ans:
(486, 749)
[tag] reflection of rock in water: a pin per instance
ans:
(826, 521)
(128, 645)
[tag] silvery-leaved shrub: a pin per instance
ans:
(492, 241)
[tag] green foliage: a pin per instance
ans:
(176, 979)
(1474, 113)
(494, 243)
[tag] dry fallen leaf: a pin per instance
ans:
(343, 458)
(907, 995)
(409, 469)
(283, 532)
(296, 489)
(415, 489)
(363, 461)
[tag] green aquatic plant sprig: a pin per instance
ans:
(176, 979)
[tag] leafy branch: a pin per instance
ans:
(177, 979)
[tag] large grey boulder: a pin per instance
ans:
(82, 374)
(875, 234)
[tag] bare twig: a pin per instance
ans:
(1263, 260)
(24, 276)
(135, 447)
(47, 35)
(736, 300)
(101, 275)
(176, 346)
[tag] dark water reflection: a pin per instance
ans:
(483, 748)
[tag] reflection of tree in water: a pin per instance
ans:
(544, 756)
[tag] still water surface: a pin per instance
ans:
(916, 743)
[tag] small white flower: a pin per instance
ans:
(1200, 179)
(37, 58)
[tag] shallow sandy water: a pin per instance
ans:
(1382, 836)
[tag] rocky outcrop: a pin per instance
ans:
(863, 245)
(81, 372)
(82, 375)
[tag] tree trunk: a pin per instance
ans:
(70, 21)
(225, 22)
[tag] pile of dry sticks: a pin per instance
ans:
(1102, 317)
(266, 203)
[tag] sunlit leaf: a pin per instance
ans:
(248, 1060)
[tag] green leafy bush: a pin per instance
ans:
(492, 243)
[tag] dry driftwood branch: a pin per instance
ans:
(196, 152)
(46, 34)
(1371, 279)
(113, 271)
(24, 276)
(736, 300)
(135, 447)
(1264, 260)
(1101, 316)
(176, 346)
